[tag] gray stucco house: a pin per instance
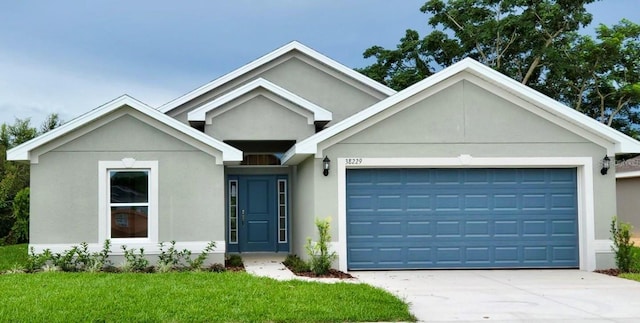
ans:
(465, 169)
(628, 192)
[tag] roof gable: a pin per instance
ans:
(621, 142)
(319, 114)
(24, 151)
(292, 46)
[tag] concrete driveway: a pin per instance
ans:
(511, 295)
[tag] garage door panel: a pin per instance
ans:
(469, 218)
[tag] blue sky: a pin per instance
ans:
(69, 57)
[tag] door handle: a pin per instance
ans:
(242, 217)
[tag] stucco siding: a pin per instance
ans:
(64, 200)
(302, 76)
(465, 119)
(303, 211)
(259, 118)
(628, 197)
(464, 113)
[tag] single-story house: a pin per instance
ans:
(628, 192)
(465, 169)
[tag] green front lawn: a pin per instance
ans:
(12, 255)
(189, 297)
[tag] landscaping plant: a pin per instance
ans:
(622, 245)
(321, 258)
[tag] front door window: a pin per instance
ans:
(257, 213)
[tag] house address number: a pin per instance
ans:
(353, 161)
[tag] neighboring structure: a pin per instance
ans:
(628, 192)
(465, 169)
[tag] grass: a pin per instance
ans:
(184, 297)
(189, 297)
(632, 276)
(12, 255)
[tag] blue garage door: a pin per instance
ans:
(461, 218)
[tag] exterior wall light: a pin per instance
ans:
(326, 164)
(606, 164)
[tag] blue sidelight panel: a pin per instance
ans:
(462, 218)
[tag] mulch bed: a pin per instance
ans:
(610, 271)
(333, 273)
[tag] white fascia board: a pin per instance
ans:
(622, 142)
(22, 152)
(319, 113)
(294, 45)
(628, 174)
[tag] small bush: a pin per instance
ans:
(170, 258)
(233, 260)
(622, 245)
(36, 261)
(296, 265)
(321, 258)
(217, 268)
(134, 262)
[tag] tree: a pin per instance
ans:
(535, 42)
(14, 176)
(600, 77)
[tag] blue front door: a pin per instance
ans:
(255, 219)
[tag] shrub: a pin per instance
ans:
(622, 245)
(170, 258)
(197, 262)
(233, 261)
(296, 265)
(20, 227)
(217, 268)
(36, 261)
(321, 258)
(134, 262)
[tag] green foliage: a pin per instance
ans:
(296, 265)
(134, 262)
(321, 258)
(14, 176)
(20, 227)
(534, 42)
(197, 262)
(233, 260)
(13, 254)
(622, 245)
(170, 258)
(35, 262)
(190, 297)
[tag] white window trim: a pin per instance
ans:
(104, 223)
(587, 244)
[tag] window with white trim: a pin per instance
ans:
(233, 211)
(128, 201)
(282, 210)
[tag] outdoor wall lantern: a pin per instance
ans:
(326, 164)
(606, 164)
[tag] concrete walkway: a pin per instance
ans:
(491, 295)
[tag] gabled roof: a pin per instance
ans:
(622, 142)
(319, 114)
(23, 151)
(294, 45)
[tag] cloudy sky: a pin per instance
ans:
(69, 57)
